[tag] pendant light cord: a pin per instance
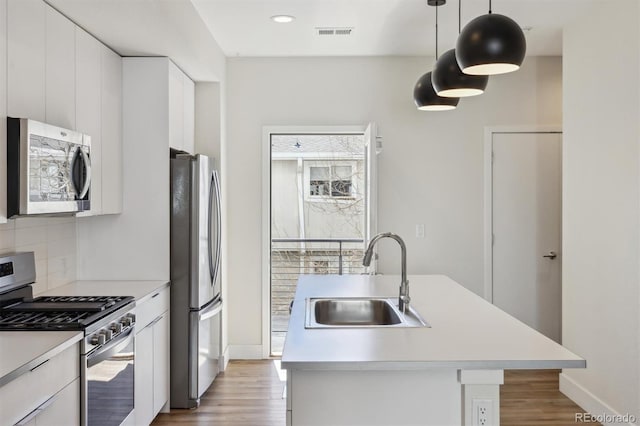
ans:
(489, 7)
(460, 16)
(437, 31)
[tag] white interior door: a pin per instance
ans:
(527, 228)
(371, 184)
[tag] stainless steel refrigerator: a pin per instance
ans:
(196, 302)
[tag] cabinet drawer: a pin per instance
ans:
(152, 308)
(21, 396)
(64, 408)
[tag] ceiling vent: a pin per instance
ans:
(334, 31)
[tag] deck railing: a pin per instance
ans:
(292, 257)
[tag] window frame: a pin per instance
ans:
(308, 164)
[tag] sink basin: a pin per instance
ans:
(354, 312)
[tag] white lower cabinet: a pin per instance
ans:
(144, 377)
(160, 363)
(62, 408)
(47, 395)
(152, 358)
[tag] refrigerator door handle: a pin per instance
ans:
(210, 311)
(218, 225)
(212, 271)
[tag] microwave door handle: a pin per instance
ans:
(87, 166)
(72, 169)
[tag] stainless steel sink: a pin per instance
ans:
(355, 312)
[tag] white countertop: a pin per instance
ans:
(140, 290)
(21, 351)
(466, 331)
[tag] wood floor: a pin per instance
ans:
(532, 398)
(250, 393)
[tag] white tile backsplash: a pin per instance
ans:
(53, 240)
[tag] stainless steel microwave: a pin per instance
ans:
(48, 169)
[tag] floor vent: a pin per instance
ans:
(327, 31)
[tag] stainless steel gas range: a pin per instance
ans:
(107, 356)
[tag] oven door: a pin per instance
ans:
(108, 382)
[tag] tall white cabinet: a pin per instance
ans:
(105, 246)
(182, 110)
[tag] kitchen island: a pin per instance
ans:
(445, 374)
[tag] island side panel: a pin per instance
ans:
(373, 397)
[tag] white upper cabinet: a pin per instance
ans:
(3, 110)
(53, 71)
(60, 73)
(176, 106)
(88, 108)
(181, 110)
(111, 132)
(189, 114)
(26, 30)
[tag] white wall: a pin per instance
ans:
(431, 169)
(53, 241)
(210, 140)
(601, 207)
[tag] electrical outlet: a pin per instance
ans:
(482, 412)
(419, 231)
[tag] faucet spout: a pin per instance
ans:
(403, 299)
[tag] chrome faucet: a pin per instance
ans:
(403, 299)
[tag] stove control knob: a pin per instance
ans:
(126, 321)
(98, 339)
(132, 317)
(116, 327)
(108, 334)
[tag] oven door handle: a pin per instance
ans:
(111, 349)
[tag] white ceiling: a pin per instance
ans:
(187, 30)
(170, 28)
(381, 27)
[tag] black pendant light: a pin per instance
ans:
(448, 79)
(424, 95)
(491, 44)
(427, 99)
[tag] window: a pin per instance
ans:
(335, 181)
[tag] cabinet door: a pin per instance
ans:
(144, 377)
(88, 104)
(3, 110)
(64, 408)
(26, 25)
(60, 75)
(189, 114)
(160, 363)
(111, 132)
(176, 107)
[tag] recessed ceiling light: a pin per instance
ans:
(283, 19)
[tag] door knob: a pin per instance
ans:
(551, 255)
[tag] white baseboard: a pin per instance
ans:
(244, 352)
(225, 358)
(591, 403)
